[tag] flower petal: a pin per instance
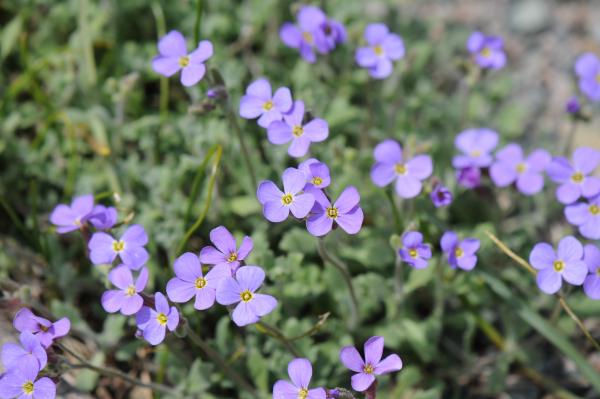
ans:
(300, 372)
(549, 281)
(192, 74)
(569, 248)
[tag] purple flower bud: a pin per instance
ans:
(441, 196)
(469, 177)
(573, 106)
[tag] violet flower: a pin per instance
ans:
(413, 251)
(300, 373)
(383, 48)
(476, 146)
(241, 290)
(316, 172)
(278, 204)
(126, 299)
(487, 51)
(30, 352)
(21, 382)
(469, 177)
(44, 330)
(345, 212)
(390, 166)
(460, 253)
(154, 322)
(441, 196)
(258, 102)
(68, 218)
(371, 366)
(574, 177)
(591, 284)
(226, 252)
(308, 35)
(573, 106)
(586, 215)
(566, 263)
(587, 68)
(103, 217)
(104, 248)
(173, 57)
(511, 166)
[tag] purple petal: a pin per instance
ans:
(591, 228)
(449, 241)
(316, 130)
(538, 160)
(135, 235)
(591, 286)
(389, 364)
(101, 251)
(466, 262)
(592, 257)
(388, 151)
(351, 222)
(530, 183)
(143, 317)
(245, 248)
(229, 291)
(570, 249)
(211, 256)
(511, 154)
(251, 107)
(568, 193)
(262, 304)
(187, 266)
(373, 350)
(411, 239)
(361, 381)
(285, 390)
(243, 315)
(205, 298)
(173, 319)
(275, 211)
(575, 272)
(577, 214)
(223, 240)
(268, 191)
(180, 291)
(300, 372)
(317, 393)
(121, 277)
(250, 277)
(375, 33)
(470, 245)
(296, 114)
(25, 320)
(420, 167)
(260, 89)
(319, 224)
(586, 159)
(502, 174)
(549, 280)
(293, 181)
(217, 274)
(154, 333)
(11, 385)
(348, 199)
(383, 174)
(559, 170)
(393, 46)
(475, 42)
(279, 132)
(112, 300)
(365, 57)
(310, 18)
(62, 215)
(12, 354)
(542, 256)
(301, 205)
(192, 74)
(61, 327)
(134, 257)
(269, 117)
(162, 306)
(382, 69)
(44, 388)
(131, 305)
(290, 35)
(202, 53)
(282, 99)
(350, 358)
(172, 44)
(166, 66)
(141, 281)
(408, 186)
(587, 65)
(590, 186)
(299, 146)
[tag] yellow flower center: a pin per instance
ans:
(303, 393)
(475, 153)
(486, 52)
(233, 256)
(287, 199)
(246, 296)
(317, 181)
(559, 265)
(130, 291)
(368, 369)
(200, 282)
(521, 167)
(78, 222)
(378, 50)
(28, 388)
(400, 168)
(184, 61)
(594, 209)
(458, 252)
(332, 213)
(268, 105)
(297, 131)
(43, 327)
(598, 271)
(577, 177)
(598, 78)
(307, 36)
(413, 253)
(162, 319)
(118, 246)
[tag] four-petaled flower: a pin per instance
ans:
(226, 252)
(154, 322)
(190, 281)
(511, 166)
(277, 204)
(130, 247)
(292, 128)
(68, 218)
(408, 174)
(316, 172)
(566, 263)
(574, 180)
(103, 217)
(45, 330)
(30, 353)
(587, 68)
(173, 57)
(260, 103)
(126, 299)
(591, 284)
(487, 51)
(345, 212)
(20, 382)
(460, 253)
(413, 251)
(383, 48)
(300, 372)
(371, 366)
(241, 290)
(476, 146)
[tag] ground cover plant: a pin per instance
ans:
(297, 200)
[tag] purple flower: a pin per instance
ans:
(440, 196)
(553, 267)
(242, 290)
(277, 204)
(372, 365)
(586, 215)
(390, 165)
(103, 217)
(591, 284)
(259, 103)
(292, 129)
(573, 106)
(126, 299)
(487, 51)
(346, 213)
(226, 252)
(130, 247)
(574, 180)
(308, 35)
(476, 146)
(173, 56)
(30, 352)
(154, 322)
(68, 218)
(316, 172)
(511, 166)
(190, 281)
(383, 48)
(43, 329)
(331, 34)
(300, 372)
(587, 68)
(413, 251)
(460, 253)
(469, 177)
(20, 382)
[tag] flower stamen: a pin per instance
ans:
(458, 252)
(558, 265)
(297, 131)
(400, 168)
(246, 296)
(577, 177)
(118, 246)
(130, 291)
(184, 61)
(268, 105)
(287, 199)
(594, 209)
(332, 213)
(28, 388)
(200, 283)
(162, 319)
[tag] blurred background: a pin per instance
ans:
(81, 111)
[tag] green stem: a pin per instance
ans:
(232, 119)
(279, 336)
(161, 30)
(570, 137)
(395, 211)
(197, 22)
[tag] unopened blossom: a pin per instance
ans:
(293, 130)
(127, 298)
(414, 251)
(383, 48)
(390, 165)
(44, 330)
(371, 366)
(278, 204)
(225, 251)
(487, 51)
(440, 195)
(587, 68)
(300, 373)
(190, 282)
(154, 322)
(129, 248)
(460, 253)
(573, 106)
(469, 177)
(21, 382)
(332, 34)
(240, 291)
(103, 217)
(554, 267)
(29, 352)
(586, 215)
(316, 172)
(574, 177)
(173, 57)
(591, 284)
(476, 146)
(345, 212)
(259, 102)
(511, 166)
(72, 217)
